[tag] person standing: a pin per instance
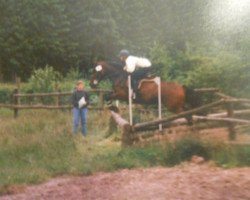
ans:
(136, 66)
(80, 101)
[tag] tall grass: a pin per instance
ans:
(39, 145)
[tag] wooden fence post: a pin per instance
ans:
(101, 100)
(127, 130)
(231, 128)
(127, 135)
(57, 97)
(15, 102)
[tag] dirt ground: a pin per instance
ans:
(194, 180)
(184, 182)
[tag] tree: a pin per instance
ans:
(184, 37)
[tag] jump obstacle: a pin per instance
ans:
(131, 131)
(157, 80)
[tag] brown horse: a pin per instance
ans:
(174, 96)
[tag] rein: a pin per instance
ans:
(115, 75)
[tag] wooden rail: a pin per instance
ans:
(51, 94)
(227, 118)
(171, 118)
(200, 90)
(16, 99)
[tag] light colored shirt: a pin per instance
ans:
(132, 62)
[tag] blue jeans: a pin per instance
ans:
(80, 114)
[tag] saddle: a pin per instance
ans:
(147, 79)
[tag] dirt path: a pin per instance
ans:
(195, 180)
(185, 182)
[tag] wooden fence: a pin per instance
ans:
(130, 132)
(16, 104)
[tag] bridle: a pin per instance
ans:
(110, 72)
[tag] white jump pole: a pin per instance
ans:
(158, 82)
(130, 100)
(117, 103)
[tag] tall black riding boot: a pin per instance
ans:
(134, 88)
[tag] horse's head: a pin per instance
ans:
(100, 71)
(103, 70)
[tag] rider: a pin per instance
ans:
(136, 66)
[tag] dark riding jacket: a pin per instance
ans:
(77, 95)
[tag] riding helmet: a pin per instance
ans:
(124, 53)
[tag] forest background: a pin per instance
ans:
(197, 43)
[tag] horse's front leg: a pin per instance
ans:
(109, 97)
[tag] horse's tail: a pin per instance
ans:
(193, 99)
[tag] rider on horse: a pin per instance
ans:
(136, 66)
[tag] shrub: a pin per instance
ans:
(232, 156)
(197, 68)
(73, 74)
(161, 60)
(243, 155)
(222, 71)
(5, 95)
(184, 149)
(44, 80)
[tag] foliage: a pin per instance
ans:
(184, 149)
(228, 156)
(222, 71)
(73, 74)
(5, 95)
(197, 68)
(6, 91)
(181, 38)
(162, 61)
(44, 80)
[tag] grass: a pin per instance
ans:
(38, 145)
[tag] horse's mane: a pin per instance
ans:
(117, 72)
(117, 65)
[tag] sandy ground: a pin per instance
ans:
(189, 181)
(195, 180)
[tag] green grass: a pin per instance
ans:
(38, 145)
(232, 156)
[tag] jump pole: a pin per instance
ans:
(130, 101)
(158, 82)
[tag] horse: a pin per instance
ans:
(173, 95)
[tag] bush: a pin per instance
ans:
(44, 80)
(161, 60)
(184, 149)
(243, 155)
(232, 156)
(73, 74)
(222, 71)
(198, 68)
(5, 95)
